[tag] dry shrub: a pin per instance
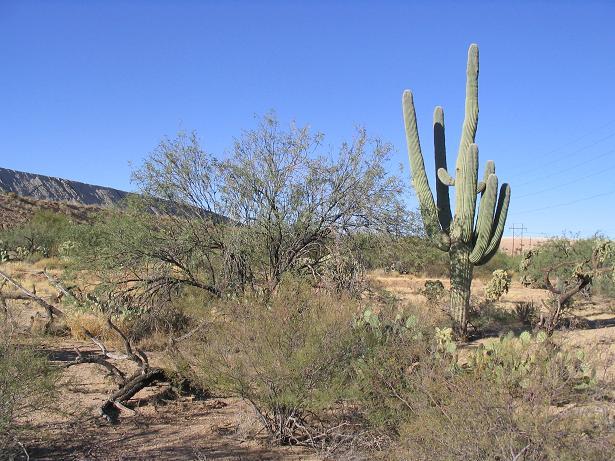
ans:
(527, 312)
(457, 418)
(287, 355)
(27, 384)
(310, 362)
(163, 319)
(94, 322)
(367, 375)
(464, 418)
(487, 317)
(511, 401)
(52, 263)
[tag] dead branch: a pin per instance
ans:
(143, 363)
(49, 309)
(127, 386)
(103, 348)
(61, 288)
(119, 376)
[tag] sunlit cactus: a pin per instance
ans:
(469, 239)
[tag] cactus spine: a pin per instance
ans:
(469, 242)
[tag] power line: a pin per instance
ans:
(609, 136)
(572, 167)
(597, 173)
(603, 194)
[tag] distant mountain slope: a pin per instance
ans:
(43, 187)
(16, 210)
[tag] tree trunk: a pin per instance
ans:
(461, 279)
(132, 385)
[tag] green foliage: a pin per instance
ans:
(66, 248)
(568, 257)
(38, 238)
(379, 327)
(403, 254)
(289, 356)
(274, 208)
(289, 205)
(498, 285)
(445, 341)
(523, 363)
(499, 261)
(27, 383)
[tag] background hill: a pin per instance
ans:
(48, 188)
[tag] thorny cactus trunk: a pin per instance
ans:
(461, 279)
(468, 241)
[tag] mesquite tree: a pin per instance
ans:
(289, 203)
(468, 241)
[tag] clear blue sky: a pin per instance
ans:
(88, 86)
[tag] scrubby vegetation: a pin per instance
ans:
(45, 235)
(569, 268)
(27, 383)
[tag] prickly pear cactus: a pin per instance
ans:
(470, 239)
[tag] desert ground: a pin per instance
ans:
(197, 427)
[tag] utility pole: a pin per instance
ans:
(514, 228)
(523, 228)
(512, 252)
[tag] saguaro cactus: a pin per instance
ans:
(468, 241)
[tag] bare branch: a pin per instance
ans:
(129, 352)
(50, 309)
(119, 376)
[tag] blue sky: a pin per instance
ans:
(88, 86)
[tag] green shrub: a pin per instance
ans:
(567, 256)
(289, 356)
(500, 261)
(38, 238)
(27, 383)
(405, 255)
(66, 248)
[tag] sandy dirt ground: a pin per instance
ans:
(163, 427)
